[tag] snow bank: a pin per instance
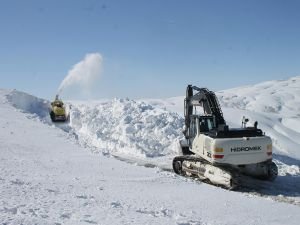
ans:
(36, 107)
(126, 127)
(119, 127)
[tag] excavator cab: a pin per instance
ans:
(57, 103)
(199, 124)
(206, 124)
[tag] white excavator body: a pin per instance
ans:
(213, 151)
(234, 151)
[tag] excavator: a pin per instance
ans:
(217, 154)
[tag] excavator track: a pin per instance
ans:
(192, 166)
(226, 177)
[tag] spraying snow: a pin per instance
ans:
(83, 74)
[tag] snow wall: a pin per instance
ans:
(119, 127)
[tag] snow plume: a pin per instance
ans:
(83, 74)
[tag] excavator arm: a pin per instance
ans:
(205, 98)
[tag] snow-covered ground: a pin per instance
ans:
(72, 173)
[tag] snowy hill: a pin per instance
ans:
(281, 97)
(53, 174)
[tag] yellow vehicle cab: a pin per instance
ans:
(58, 111)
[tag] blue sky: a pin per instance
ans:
(150, 48)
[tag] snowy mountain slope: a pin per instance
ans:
(281, 97)
(47, 179)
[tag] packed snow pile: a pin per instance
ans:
(119, 127)
(126, 127)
